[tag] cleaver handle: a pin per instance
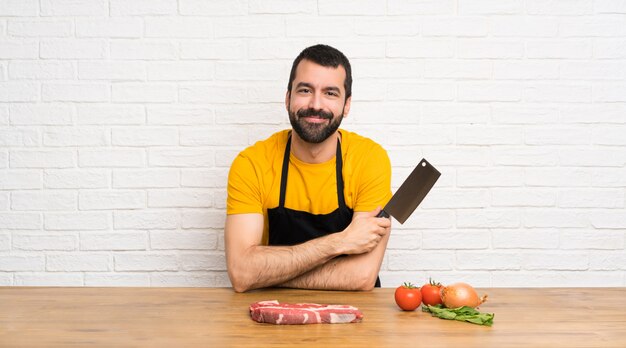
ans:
(383, 213)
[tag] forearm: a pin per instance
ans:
(352, 272)
(263, 266)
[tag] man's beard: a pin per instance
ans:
(314, 132)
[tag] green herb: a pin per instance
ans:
(464, 313)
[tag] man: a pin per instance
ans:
(302, 204)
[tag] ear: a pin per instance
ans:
(346, 107)
(287, 96)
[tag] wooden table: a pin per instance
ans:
(218, 317)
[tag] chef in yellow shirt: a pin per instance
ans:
(302, 204)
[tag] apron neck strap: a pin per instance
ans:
(338, 171)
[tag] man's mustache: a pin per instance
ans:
(313, 112)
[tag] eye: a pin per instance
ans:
(332, 94)
(304, 90)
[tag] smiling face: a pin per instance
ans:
(317, 102)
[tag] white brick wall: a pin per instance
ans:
(119, 120)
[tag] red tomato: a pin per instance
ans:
(431, 293)
(408, 297)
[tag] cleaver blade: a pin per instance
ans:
(412, 192)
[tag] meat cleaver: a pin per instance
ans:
(411, 192)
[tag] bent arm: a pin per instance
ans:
(352, 272)
(251, 265)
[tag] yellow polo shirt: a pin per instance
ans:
(254, 178)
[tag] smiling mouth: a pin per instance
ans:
(315, 119)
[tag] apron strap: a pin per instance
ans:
(338, 170)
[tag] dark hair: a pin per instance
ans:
(324, 55)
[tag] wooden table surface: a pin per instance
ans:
(218, 317)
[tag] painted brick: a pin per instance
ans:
(525, 70)
(212, 178)
(404, 240)
(39, 242)
(180, 199)
(213, 8)
(493, 92)
(258, 27)
(203, 219)
(125, 157)
(178, 27)
(609, 260)
(48, 279)
(261, 71)
(146, 178)
(139, 279)
(144, 136)
(473, 7)
(144, 93)
(5, 241)
(556, 278)
(118, 241)
(608, 136)
(459, 198)
(602, 25)
(556, 136)
(613, 48)
(351, 7)
(609, 92)
(525, 238)
(213, 136)
(586, 239)
(20, 179)
(470, 156)
(500, 218)
(73, 49)
(76, 221)
(379, 26)
(494, 177)
(608, 219)
(176, 71)
(39, 28)
(13, 263)
(251, 114)
(19, 137)
(19, 8)
(612, 177)
(408, 7)
(481, 260)
(281, 6)
(481, 135)
(203, 262)
(421, 48)
(506, 197)
(18, 49)
(143, 50)
(455, 26)
(111, 200)
(560, 177)
(584, 157)
(74, 8)
(76, 136)
(146, 262)
(144, 220)
(40, 114)
(548, 218)
(555, 261)
(42, 159)
(35, 70)
(108, 70)
(421, 91)
(457, 240)
(78, 262)
(214, 94)
(222, 50)
(455, 69)
(179, 115)
(591, 198)
(518, 114)
(110, 27)
(565, 48)
(183, 240)
(12, 91)
(72, 178)
(45, 201)
(558, 93)
(508, 26)
(488, 48)
(181, 158)
(325, 27)
(103, 114)
(76, 92)
(143, 7)
(429, 260)
(189, 279)
(525, 156)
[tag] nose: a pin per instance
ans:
(315, 102)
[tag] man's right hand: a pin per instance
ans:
(364, 233)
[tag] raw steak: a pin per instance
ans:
(303, 313)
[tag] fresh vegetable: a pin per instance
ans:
(464, 313)
(431, 293)
(408, 297)
(459, 295)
